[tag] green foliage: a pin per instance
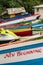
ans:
(1, 9)
(27, 4)
(41, 20)
(13, 3)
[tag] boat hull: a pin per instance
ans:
(28, 18)
(6, 41)
(23, 53)
(23, 32)
(27, 33)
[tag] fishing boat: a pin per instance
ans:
(17, 24)
(6, 36)
(22, 32)
(27, 29)
(19, 29)
(18, 20)
(37, 25)
(22, 52)
(36, 28)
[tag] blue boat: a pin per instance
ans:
(37, 25)
(17, 17)
(20, 19)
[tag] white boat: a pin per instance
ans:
(23, 19)
(30, 52)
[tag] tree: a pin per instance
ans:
(2, 5)
(1, 8)
(12, 4)
(27, 4)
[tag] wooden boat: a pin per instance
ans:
(17, 26)
(20, 31)
(28, 52)
(37, 25)
(36, 28)
(23, 32)
(27, 18)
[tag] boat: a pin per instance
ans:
(37, 25)
(18, 20)
(16, 24)
(22, 32)
(24, 52)
(27, 29)
(7, 36)
(19, 29)
(36, 28)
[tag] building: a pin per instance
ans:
(39, 10)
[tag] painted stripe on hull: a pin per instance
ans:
(21, 48)
(37, 25)
(27, 33)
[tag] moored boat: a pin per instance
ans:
(27, 18)
(23, 32)
(28, 52)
